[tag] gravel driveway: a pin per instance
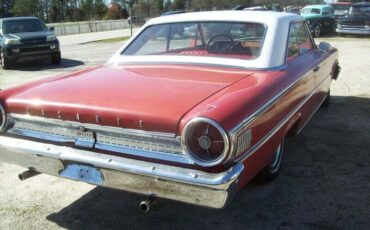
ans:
(325, 182)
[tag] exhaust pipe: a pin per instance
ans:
(27, 174)
(146, 205)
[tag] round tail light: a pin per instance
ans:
(205, 141)
(2, 118)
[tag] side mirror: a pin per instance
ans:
(324, 47)
(52, 29)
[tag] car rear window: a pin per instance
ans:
(221, 39)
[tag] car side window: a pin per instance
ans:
(293, 50)
(303, 37)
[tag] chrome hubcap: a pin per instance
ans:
(317, 31)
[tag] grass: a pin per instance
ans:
(111, 40)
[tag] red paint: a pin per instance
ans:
(166, 97)
(158, 95)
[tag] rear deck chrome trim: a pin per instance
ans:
(92, 126)
(154, 145)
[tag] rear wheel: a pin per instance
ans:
(56, 58)
(317, 31)
(272, 170)
(5, 63)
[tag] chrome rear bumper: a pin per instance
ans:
(151, 179)
(349, 30)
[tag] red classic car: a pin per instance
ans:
(191, 109)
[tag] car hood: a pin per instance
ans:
(28, 35)
(152, 98)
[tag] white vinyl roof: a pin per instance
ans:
(272, 53)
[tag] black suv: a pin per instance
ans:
(356, 20)
(26, 38)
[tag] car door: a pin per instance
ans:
(316, 59)
(328, 20)
(301, 69)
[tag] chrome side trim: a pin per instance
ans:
(247, 121)
(184, 137)
(186, 185)
(243, 141)
(244, 125)
(263, 140)
(93, 126)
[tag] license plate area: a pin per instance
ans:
(88, 174)
(85, 139)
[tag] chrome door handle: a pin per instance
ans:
(317, 68)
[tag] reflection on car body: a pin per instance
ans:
(356, 21)
(26, 38)
(320, 18)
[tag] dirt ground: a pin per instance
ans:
(325, 182)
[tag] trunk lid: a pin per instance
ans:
(152, 98)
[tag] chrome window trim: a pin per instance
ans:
(224, 154)
(93, 126)
(309, 35)
(267, 137)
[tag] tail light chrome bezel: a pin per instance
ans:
(184, 141)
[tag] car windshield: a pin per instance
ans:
(224, 39)
(22, 26)
(359, 10)
(311, 11)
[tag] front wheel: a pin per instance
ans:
(56, 58)
(317, 31)
(5, 63)
(272, 170)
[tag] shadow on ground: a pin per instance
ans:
(324, 185)
(39, 65)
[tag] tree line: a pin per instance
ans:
(82, 10)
